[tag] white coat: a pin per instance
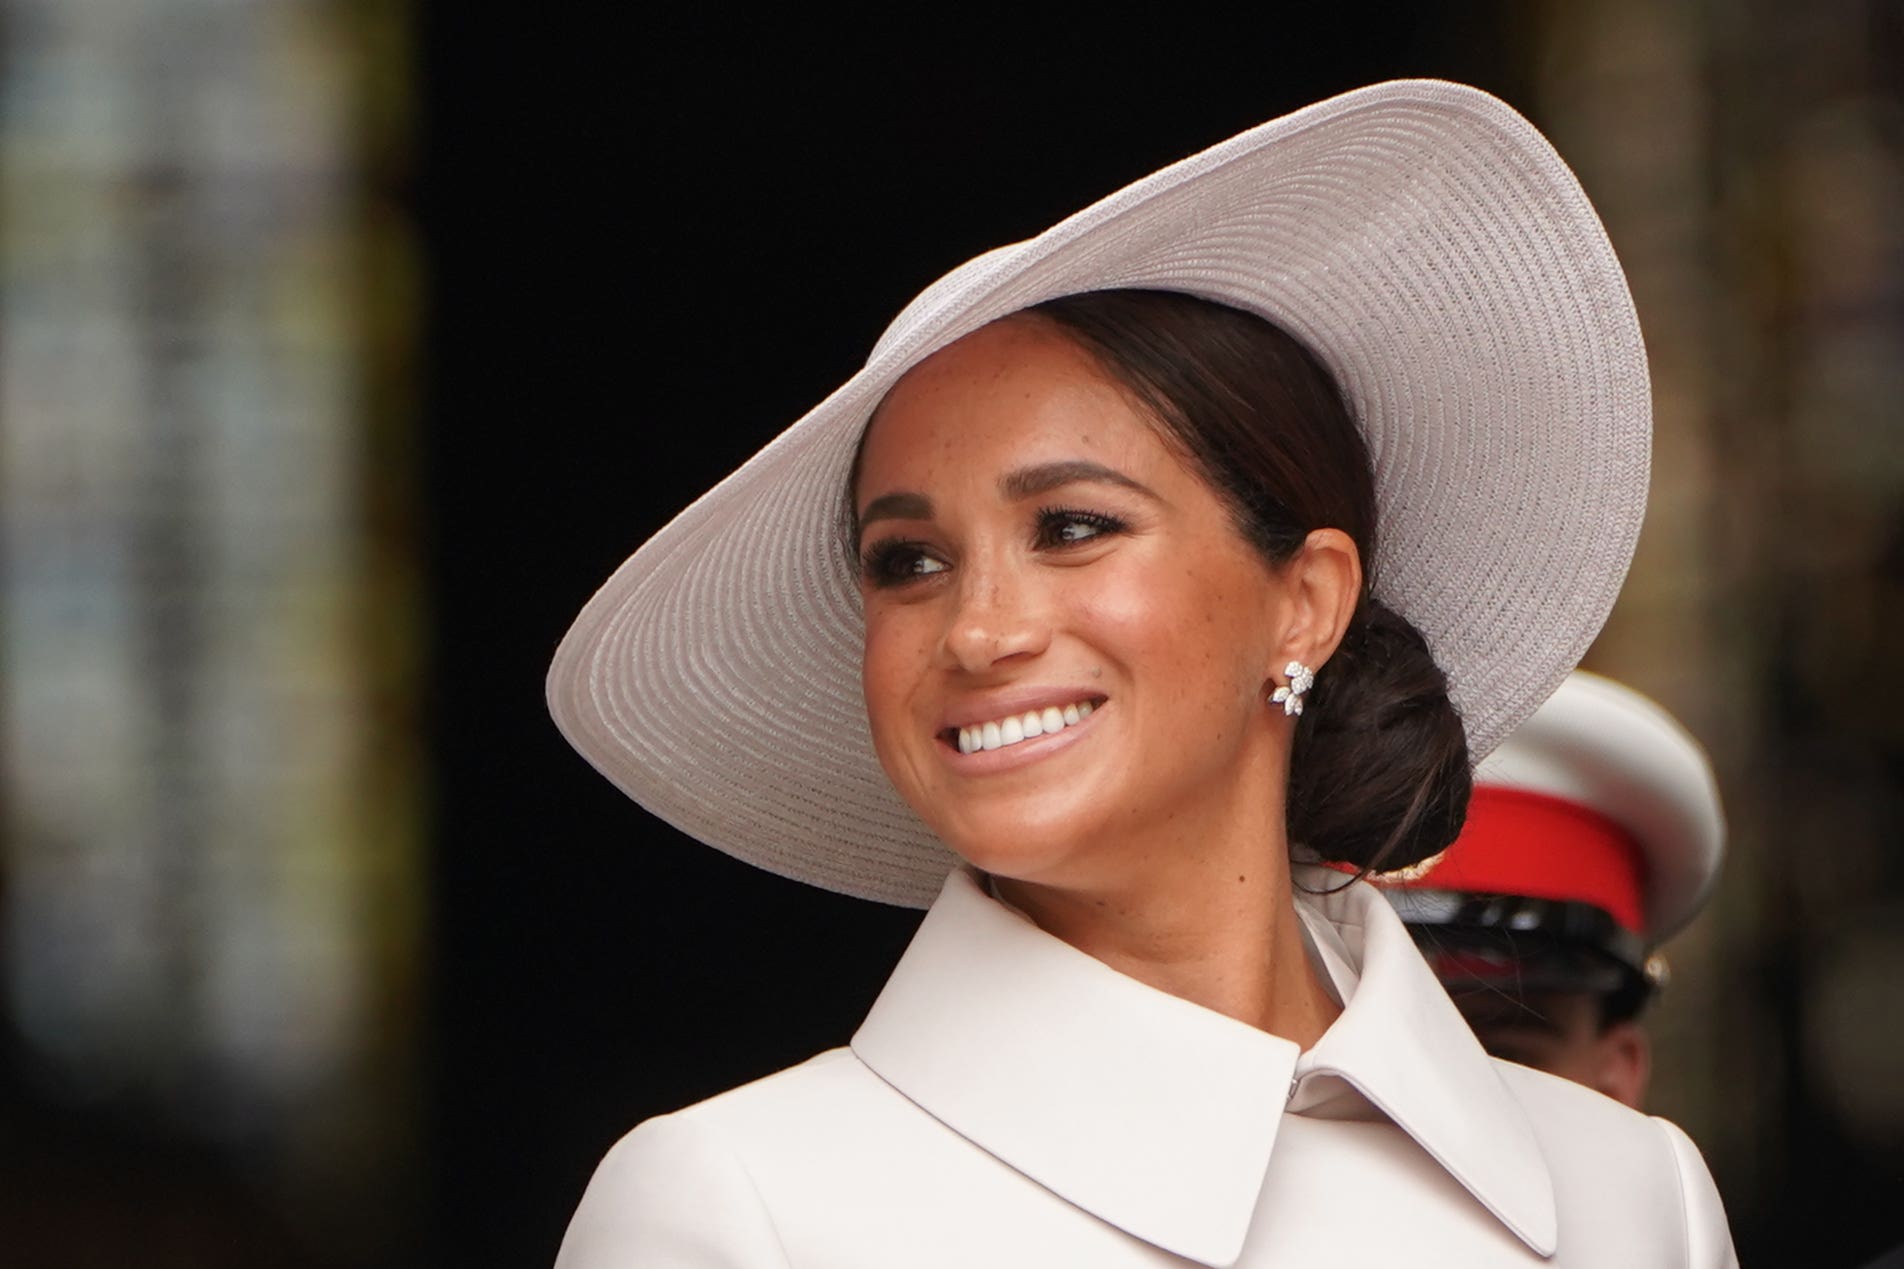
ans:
(1011, 1101)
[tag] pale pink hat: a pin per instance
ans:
(1421, 237)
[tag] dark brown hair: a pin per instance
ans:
(1379, 771)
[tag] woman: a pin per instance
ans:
(1164, 528)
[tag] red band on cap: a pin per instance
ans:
(1517, 842)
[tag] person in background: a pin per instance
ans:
(1594, 834)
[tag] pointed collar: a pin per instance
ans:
(1021, 1043)
(1402, 1044)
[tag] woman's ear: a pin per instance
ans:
(1322, 587)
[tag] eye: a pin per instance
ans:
(895, 562)
(1059, 527)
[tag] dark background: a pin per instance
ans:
(348, 344)
(651, 247)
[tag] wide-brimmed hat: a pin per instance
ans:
(1420, 237)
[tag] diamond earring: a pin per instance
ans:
(1301, 679)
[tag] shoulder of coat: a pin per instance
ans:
(815, 1091)
(1588, 1138)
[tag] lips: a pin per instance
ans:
(1015, 727)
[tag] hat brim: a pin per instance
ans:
(1421, 237)
(1505, 935)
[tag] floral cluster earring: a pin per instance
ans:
(1301, 679)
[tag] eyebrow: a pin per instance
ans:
(1016, 485)
(896, 506)
(1028, 482)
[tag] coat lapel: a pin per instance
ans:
(1151, 1113)
(1159, 1116)
(1403, 1045)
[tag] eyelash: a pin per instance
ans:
(893, 561)
(890, 562)
(1052, 520)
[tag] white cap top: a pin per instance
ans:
(1617, 753)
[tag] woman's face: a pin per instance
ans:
(1067, 642)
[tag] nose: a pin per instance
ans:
(996, 616)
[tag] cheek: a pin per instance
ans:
(894, 657)
(1195, 622)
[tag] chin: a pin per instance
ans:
(1034, 846)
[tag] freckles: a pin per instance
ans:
(893, 662)
(1121, 603)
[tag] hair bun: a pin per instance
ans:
(1378, 778)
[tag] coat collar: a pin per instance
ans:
(1019, 1043)
(1402, 1044)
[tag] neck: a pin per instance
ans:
(1221, 934)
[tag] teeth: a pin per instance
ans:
(1009, 731)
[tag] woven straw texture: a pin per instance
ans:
(1420, 236)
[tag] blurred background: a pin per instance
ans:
(346, 345)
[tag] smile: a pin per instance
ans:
(1004, 732)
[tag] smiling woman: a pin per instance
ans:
(1134, 596)
(1204, 537)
